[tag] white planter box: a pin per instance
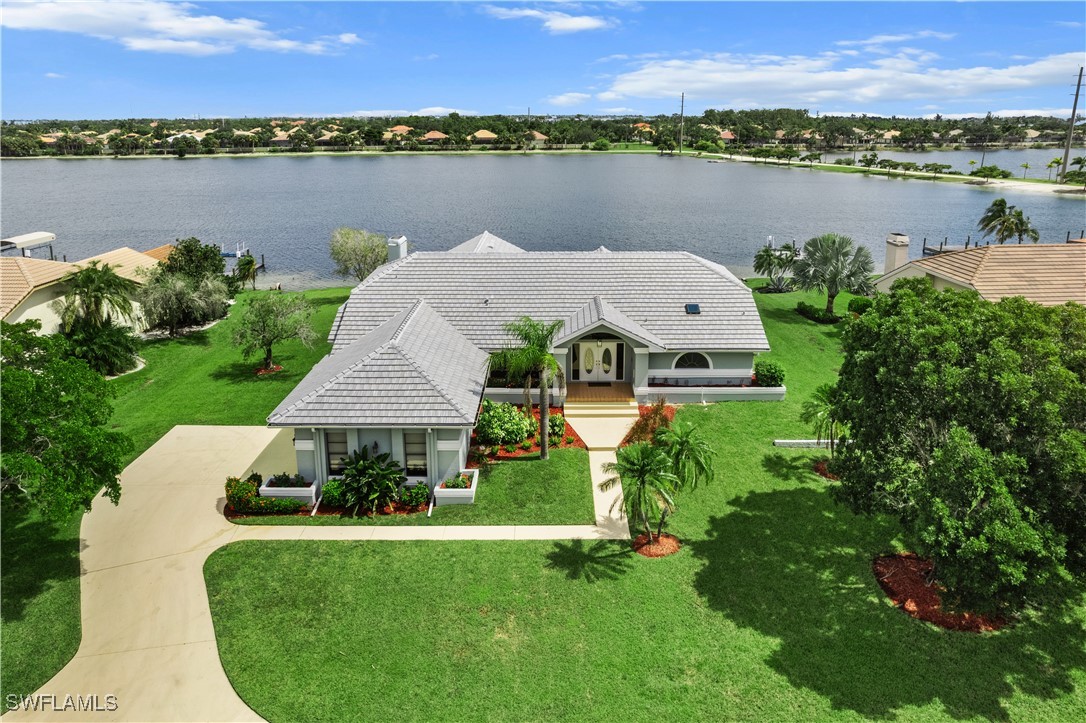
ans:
(307, 495)
(444, 496)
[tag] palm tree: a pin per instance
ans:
(245, 270)
(1025, 167)
(1023, 229)
(775, 264)
(818, 412)
(998, 220)
(532, 357)
(645, 472)
(832, 263)
(1054, 163)
(691, 458)
(95, 294)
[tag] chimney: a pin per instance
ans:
(897, 251)
(397, 247)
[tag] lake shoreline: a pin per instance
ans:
(1028, 186)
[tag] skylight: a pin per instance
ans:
(693, 308)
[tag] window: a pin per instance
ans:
(414, 447)
(575, 368)
(335, 442)
(692, 360)
(620, 358)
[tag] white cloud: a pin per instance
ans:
(425, 58)
(430, 111)
(567, 99)
(554, 21)
(163, 27)
(54, 76)
(887, 39)
(826, 80)
(1068, 24)
(619, 111)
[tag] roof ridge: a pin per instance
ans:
(433, 382)
(715, 268)
(395, 338)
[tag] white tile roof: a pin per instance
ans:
(478, 293)
(484, 242)
(412, 370)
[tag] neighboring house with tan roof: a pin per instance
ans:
(127, 262)
(28, 288)
(1048, 274)
(483, 136)
(433, 136)
(159, 253)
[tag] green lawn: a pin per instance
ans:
(202, 379)
(769, 611)
(39, 624)
(521, 491)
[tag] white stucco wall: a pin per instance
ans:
(39, 305)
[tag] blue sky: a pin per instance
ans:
(148, 58)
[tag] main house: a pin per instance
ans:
(409, 364)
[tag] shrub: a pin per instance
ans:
(495, 450)
(415, 496)
(557, 425)
(502, 424)
(243, 495)
(860, 304)
(108, 349)
(570, 440)
(845, 162)
(991, 172)
(601, 144)
(510, 448)
(459, 482)
(768, 374)
(370, 482)
(285, 479)
(584, 146)
(816, 314)
(332, 493)
(652, 419)
(526, 445)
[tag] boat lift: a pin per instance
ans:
(27, 242)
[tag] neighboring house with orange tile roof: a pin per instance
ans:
(537, 136)
(483, 136)
(1048, 274)
(159, 253)
(28, 288)
(434, 136)
(127, 262)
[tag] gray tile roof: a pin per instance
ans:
(599, 311)
(414, 369)
(477, 293)
(486, 242)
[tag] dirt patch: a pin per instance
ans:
(822, 469)
(661, 546)
(904, 579)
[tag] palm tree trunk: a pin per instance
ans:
(544, 417)
(660, 527)
(829, 301)
(648, 527)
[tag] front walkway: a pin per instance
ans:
(148, 637)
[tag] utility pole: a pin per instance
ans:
(1071, 130)
(682, 117)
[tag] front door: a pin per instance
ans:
(598, 361)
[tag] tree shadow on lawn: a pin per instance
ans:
(603, 560)
(793, 565)
(789, 469)
(34, 558)
(245, 371)
(791, 316)
(195, 338)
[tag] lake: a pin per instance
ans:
(287, 207)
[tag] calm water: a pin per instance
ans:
(287, 207)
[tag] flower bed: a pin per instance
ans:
(496, 453)
(459, 490)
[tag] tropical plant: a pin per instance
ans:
(648, 483)
(245, 270)
(998, 220)
(530, 358)
(357, 252)
(1025, 167)
(819, 413)
(108, 349)
(56, 445)
(95, 294)
(691, 455)
(370, 482)
(831, 264)
(775, 264)
(172, 301)
(415, 496)
(1023, 228)
(273, 318)
(1053, 164)
(332, 493)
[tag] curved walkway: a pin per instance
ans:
(148, 637)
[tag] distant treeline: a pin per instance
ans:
(714, 129)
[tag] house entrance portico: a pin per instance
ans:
(598, 360)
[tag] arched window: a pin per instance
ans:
(692, 360)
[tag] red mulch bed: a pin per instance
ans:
(904, 579)
(821, 468)
(396, 508)
(261, 371)
(669, 411)
(556, 442)
(661, 546)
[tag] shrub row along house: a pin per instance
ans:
(410, 361)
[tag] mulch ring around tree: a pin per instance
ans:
(822, 469)
(903, 578)
(556, 442)
(261, 371)
(661, 545)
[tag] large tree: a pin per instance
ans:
(272, 318)
(172, 301)
(194, 259)
(999, 221)
(56, 445)
(966, 420)
(832, 263)
(529, 357)
(648, 483)
(357, 252)
(775, 264)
